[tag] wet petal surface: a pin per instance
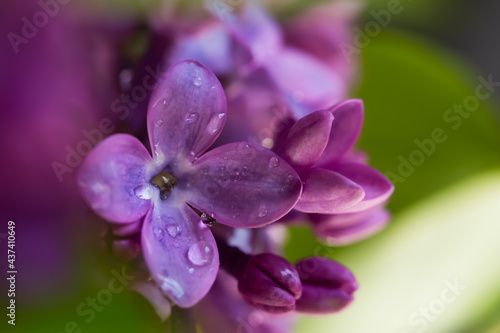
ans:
(187, 112)
(114, 178)
(180, 251)
(245, 185)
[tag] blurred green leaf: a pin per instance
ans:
(408, 85)
(450, 238)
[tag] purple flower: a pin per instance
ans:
(336, 181)
(269, 73)
(327, 286)
(180, 190)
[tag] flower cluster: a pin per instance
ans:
(247, 133)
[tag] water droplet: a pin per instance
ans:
(200, 254)
(289, 178)
(236, 215)
(191, 118)
(263, 213)
(164, 102)
(191, 270)
(205, 169)
(245, 170)
(143, 192)
(172, 287)
(208, 219)
(197, 81)
(173, 230)
(159, 235)
(222, 178)
(214, 125)
(177, 244)
(274, 162)
(159, 122)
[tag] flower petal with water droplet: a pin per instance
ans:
(180, 251)
(191, 106)
(245, 184)
(111, 179)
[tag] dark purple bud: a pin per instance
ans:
(270, 283)
(327, 286)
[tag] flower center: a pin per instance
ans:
(165, 182)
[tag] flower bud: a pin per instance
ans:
(327, 286)
(270, 283)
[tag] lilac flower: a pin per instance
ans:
(270, 74)
(180, 190)
(336, 181)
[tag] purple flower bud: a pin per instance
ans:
(270, 283)
(327, 286)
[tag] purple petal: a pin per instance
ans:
(254, 30)
(186, 112)
(306, 140)
(271, 281)
(376, 186)
(345, 229)
(306, 83)
(210, 45)
(180, 251)
(319, 299)
(345, 130)
(244, 184)
(114, 177)
(325, 272)
(327, 192)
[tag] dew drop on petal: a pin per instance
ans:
(197, 81)
(205, 169)
(274, 162)
(214, 125)
(177, 244)
(143, 192)
(159, 235)
(170, 286)
(173, 230)
(192, 117)
(159, 122)
(200, 254)
(263, 213)
(191, 270)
